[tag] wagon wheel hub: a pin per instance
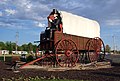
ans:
(68, 53)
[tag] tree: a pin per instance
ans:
(30, 47)
(34, 48)
(20, 48)
(9, 46)
(107, 48)
(13, 46)
(24, 47)
(2, 46)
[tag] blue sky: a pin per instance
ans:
(29, 17)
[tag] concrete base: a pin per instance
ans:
(93, 66)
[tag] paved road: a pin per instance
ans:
(114, 57)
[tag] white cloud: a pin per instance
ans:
(39, 24)
(10, 11)
(25, 4)
(3, 1)
(31, 10)
(29, 6)
(4, 24)
(113, 22)
(12, 25)
(38, 10)
(78, 5)
(1, 13)
(110, 2)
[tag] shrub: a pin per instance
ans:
(15, 58)
(29, 58)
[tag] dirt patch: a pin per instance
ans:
(107, 74)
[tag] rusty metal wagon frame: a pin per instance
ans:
(66, 50)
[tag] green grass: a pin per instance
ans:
(8, 58)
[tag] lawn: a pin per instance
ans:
(8, 58)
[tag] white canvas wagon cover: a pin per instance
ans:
(80, 26)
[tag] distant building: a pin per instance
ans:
(4, 52)
(19, 52)
(40, 53)
(24, 52)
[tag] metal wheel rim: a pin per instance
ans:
(66, 53)
(98, 46)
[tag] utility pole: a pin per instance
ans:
(4, 56)
(113, 44)
(17, 36)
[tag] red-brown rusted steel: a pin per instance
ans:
(94, 48)
(85, 45)
(38, 59)
(50, 44)
(79, 41)
(66, 53)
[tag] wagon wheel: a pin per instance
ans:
(95, 49)
(66, 53)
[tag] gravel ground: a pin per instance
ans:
(109, 74)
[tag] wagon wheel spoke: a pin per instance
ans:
(95, 47)
(101, 50)
(94, 56)
(65, 55)
(72, 59)
(91, 52)
(91, 45)
(90, 49)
